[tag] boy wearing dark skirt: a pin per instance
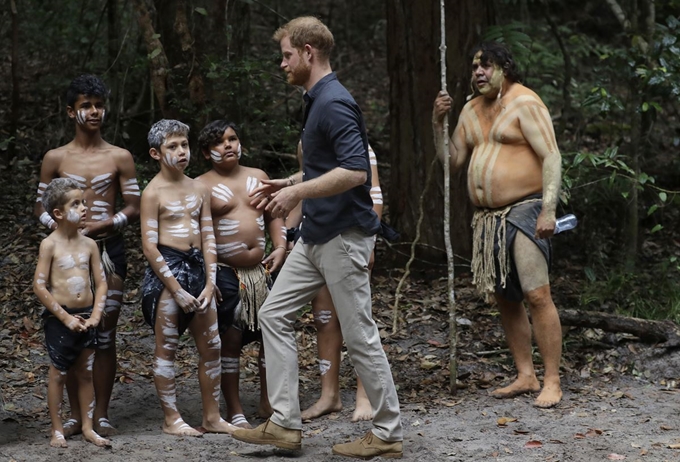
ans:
(67, 262)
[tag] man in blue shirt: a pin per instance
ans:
(336, 240)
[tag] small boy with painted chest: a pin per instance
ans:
(67, 262)
(179, 244)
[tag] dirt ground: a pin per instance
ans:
(619, 403)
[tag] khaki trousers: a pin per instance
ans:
(342, 265)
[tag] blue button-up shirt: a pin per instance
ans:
(334, 135)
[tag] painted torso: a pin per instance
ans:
(179, 214)
(70, 273)
(239, 227)
(504, 167)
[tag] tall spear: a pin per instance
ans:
(453, 327)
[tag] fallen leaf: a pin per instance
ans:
(665, 427)
(614, 456)
(579, 436)
(503, 421)
(593, 432)
(674, 446)
(533, 444)
(520, 432)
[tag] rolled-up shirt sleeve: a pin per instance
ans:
(343, 122)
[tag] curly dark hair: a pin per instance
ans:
(213, 132)
(88, 85)
(498, 53)
(54, 196)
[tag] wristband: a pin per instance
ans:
(46, 220)
(280, 247)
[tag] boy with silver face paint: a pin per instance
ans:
(179, 244)
(67, 262)
(103, 172)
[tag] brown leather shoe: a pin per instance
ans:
(270, 433)
(368, 447)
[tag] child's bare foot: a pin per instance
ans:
(104, 428)
(58, 440)
(363, 410)
(240, 421)
(181, 428)
(221, 426)
(265, 411)
(549, 396)
(72, 427)
(91, 436)
(518, 387)
(322, 407)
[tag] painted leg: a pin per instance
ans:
(230, 372)
(548, 333)
(532, 270)
(204, 329)
(55, 395)
(105, 360)
(72, 426)
(518, 334)
(265, 410)
(329, 344)
(167, 339)
(83, 368)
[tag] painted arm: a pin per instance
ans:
(100, 285)
(538, 130)
(150, 228)
(209, 248)
(376, 191)
(40, 279)
(458, 150)
(48, 172)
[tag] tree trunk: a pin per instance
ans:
(16, 101)
(413, 41)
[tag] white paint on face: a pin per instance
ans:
(260, 222)
(238, 153)
(72, 216)
(227, 227)
(169, 160)
(323, 316)
(222, 192)
(324, 366)
(76, 285)
(231, 249)
(216, 156)
(102, 183)
(131, 187)
(66, 262)
(81, 116)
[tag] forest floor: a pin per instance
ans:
(620, 400)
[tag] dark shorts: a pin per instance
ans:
(227, 311)
(189, 270)
(63, 345)
(115, 248)
(521, 218)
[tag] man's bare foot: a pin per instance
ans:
(221, 426)
(72, 427)
(58, 440)
(181, 428)
(91, 436)
(322, 407)
(240, 421)
(265, 411)
(363, 410)
(549, 396)
(518, 387)
(104, 428)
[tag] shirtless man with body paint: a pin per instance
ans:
(179, 244)
(514, 179)
(240, 238)
(102, 171)
(67, 262)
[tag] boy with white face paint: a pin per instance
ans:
(102, 171)
(243, 269)
(67, 262)
(179, 244)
